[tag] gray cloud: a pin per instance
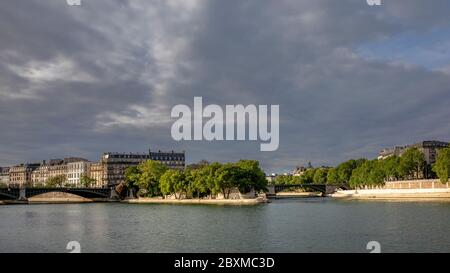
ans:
(104, 76)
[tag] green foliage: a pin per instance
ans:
(202, 179)
(174, 181)
(251, 176)
(132, 175)
(308, 176)
(345, 169)
(332, 176)
(3, 185)
(150, 172)
(442, 166)
(412, 163)
(87, 181)
(320, 176)
(56, 181)
(391, 168)
(287, 180)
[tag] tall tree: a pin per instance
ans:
(165, 183)
(150, 173)
(251, 176)
(332, 176)
(412, 163)
(320, 176)
(442, 165)
(391, 167)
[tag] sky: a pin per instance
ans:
(349, 78)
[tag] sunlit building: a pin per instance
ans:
(430, 150)
(115, 164)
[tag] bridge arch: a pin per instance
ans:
(81, 192)
(9, 193)
(6, 196)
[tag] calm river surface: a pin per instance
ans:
(295, 225)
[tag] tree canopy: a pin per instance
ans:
(199, 180)
(442, 166)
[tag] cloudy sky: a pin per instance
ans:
(350, 78)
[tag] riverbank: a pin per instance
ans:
(296, 194)
(441, 195)
(158, 200)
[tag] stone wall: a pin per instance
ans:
(416, 184)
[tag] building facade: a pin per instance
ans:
(20, 176)
(4, 176)
(75, 171)
(96, 173)
(66, 167)
(40, 175)
(115, 164)
(430, 150)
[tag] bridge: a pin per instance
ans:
(24, 194)
(324, 189)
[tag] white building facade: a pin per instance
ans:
(75, 171)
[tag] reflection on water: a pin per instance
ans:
(290, 225)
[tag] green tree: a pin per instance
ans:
(376, 174)
(391, 167)
(168, 182)
(345, 169)
(56, 181)
(150, 173)
(442, 165)
(332, 176)
(227, 177)
(132, 176)
(211, 174)
(251, 176)
(308, 176)
(87, 181)
(320, 176)
(360, 175)
(412, 163)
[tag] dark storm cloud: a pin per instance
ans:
(104, 76)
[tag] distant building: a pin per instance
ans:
(20, 176)
(299, 171)
(115, 164)
(39, 175)
(67, 167)
(76, 170)
(428, 148)
(4, 175)
(271, 177)
(96, 173)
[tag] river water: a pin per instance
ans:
(294, 225)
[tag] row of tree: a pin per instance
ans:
(362, 172)
(152, 178)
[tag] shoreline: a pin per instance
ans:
(282, 195)
(234, 202)
(403, 195)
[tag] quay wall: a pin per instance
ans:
(431, 189)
